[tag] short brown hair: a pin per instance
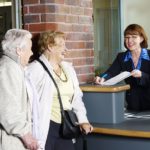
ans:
(137, 30)
(48, 38)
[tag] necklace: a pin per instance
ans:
(59, 76)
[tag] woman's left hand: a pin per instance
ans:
(136, 73)
(86, 128)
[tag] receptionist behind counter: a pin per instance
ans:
(136, 59)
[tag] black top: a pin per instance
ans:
(138, 96)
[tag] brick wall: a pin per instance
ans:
(74, 17)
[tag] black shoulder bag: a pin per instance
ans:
(70, 128)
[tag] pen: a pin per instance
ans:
(104, 76)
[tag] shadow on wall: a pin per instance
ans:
(1, 51)
(35, 48)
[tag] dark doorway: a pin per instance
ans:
(5, 20)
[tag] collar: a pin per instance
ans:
(12, 56)
(143, 55)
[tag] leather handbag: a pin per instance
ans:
(70, 128)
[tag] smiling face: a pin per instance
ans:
(133, 41)
(25, 52)
(58, 50)
(135, 37)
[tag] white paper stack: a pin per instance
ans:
(117, 78)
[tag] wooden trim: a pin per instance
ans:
(108, 89)
(127, 133)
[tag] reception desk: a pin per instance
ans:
(124, 134)
(131, 134)
(104, 104)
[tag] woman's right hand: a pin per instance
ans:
(99, 80)
(86, 128)
(30, 142)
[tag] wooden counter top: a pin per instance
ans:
(139, 128)
(99, 88)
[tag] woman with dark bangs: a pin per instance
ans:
(136, 59)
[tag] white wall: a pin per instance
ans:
(136, 11)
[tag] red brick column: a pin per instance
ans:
(74, 17)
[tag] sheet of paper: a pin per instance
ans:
(117, 78)
(145, 114)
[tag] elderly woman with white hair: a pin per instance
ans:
(15, 111)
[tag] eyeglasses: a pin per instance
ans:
(131, 37)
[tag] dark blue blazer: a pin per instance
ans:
(138, 97)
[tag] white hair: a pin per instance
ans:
(15, 38)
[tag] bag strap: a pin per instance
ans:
(59, 97)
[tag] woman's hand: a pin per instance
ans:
(86, 128)
(30, 142)
(98, 80)
(136, 73)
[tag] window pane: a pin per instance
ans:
(107, 32)
(5, 17)
(10, 15)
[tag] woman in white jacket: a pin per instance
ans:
(46, 107)
(15, 111)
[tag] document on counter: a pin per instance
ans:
(138, 115)
(118, 78)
